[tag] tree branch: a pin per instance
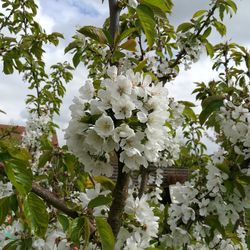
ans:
(114, 11)
(51, 199)
(182, 53)
(54, 201)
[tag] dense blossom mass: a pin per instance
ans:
(128, 114)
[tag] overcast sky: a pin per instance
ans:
(66, 15)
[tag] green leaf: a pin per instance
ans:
(46, 144)
(99, 201)
(26, 244)
(220, 27)
(36, 213)
(210, 105)
(244, 179)
(7, 66)
(64, 221)
(4, 208)
(126, 33)
(13, 245)
(86, 233)
(129, 45)
(189, 113)
(206, 33)
(44, 158)
(213, 222)
(199, 13)
(15, 152)
(79, 227)
(95, 33)
(70, 162)
(161, 4)
(184, 27)
(19, 175)
(146, 17)
(77, 58)
(105, 182)
(210, 49)
(187, 103)
(106, 234)
(233, 5)
(240, 188)
(141, 65)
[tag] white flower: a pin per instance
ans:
(133, 159)
(121, 87)
(142, 116)
(104, 126)
(106, 99)
(112, 72)
(38, 244)
(143, 214)
(102, 168)
(87, 91)
(133, 3)
(123, 108)
(122, 132)
(94, 140)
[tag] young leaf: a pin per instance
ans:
(99, 201)
(106, 234)
(36, 213)
(199, 13)
(12, 245)
(210, 49)
(79, 228)
(64, 221)
(44, 158)
(4, 208)
(129, 45)
(7, 66)
(95, 33)
(156, 3)
(19, 175)
(210, 105)
(146, 17)
(105, 182)
(220, 27)
(184, 27)
(126, 33)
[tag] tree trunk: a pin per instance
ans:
(114, 11)
(120, 195)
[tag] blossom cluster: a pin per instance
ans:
(235, 124)
(127, 114)
(194, 202)
(192, 47)
(35, 127)
(55, 238)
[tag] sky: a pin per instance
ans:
(65, 16)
